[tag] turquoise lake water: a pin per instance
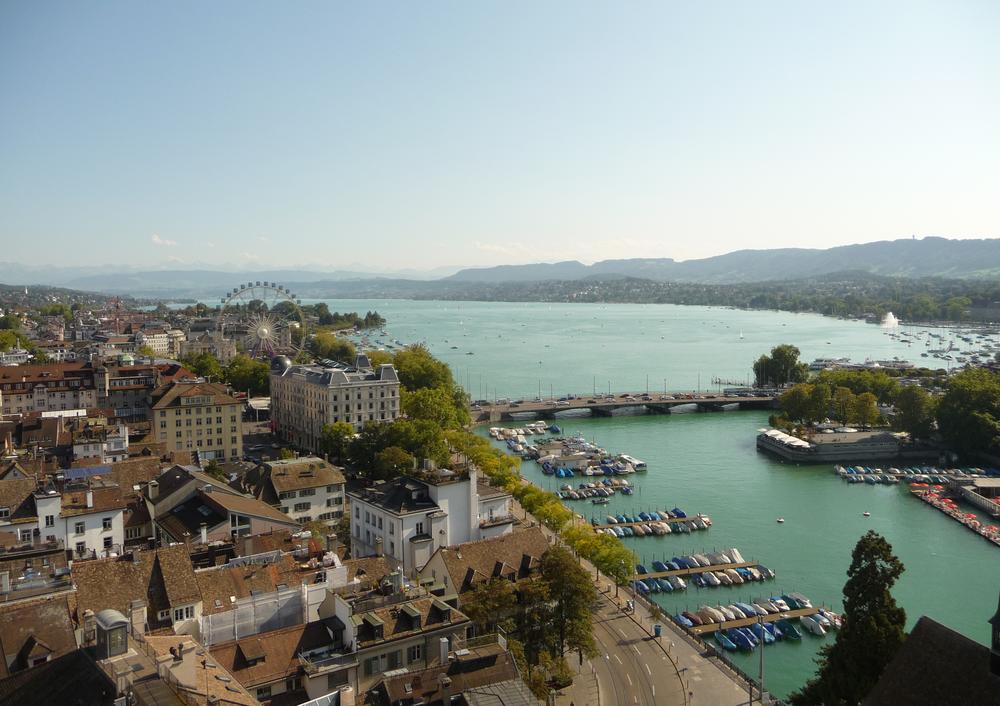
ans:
(708, 463)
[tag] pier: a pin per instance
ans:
(603, 406)
(747, 622)
(696, 570)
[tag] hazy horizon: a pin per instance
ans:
(449, 135)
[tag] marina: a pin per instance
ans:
(654, 523)
(934, 497)
(911, 474)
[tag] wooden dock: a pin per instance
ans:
(747, 622)
(679, 520)
(700, 569)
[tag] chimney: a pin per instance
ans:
(90, 498)
(204, 533)
(153, 489)
(443, 651)
(89, 628)
(378, 546)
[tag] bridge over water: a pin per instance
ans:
(603, 406)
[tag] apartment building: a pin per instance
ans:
(198, 416)
(409, 518)
(306, 488)
(304, 398)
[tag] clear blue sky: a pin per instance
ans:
(401, 135)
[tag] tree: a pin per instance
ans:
(392, 462)
(146, 351)
(377, 358)
(914, 411)
(418, 369)
(247, 374)
(317, 528)
(796, 402)
(866, 409)
(204, 365)
(843, 405)
(491, 604)
(286, 454)
(213, 469)
(327, 345)
(871, 634)
(968, 414)
(819, 402)
(571, 595)
(334, 438)
(8, 339)
(431, 403)
(781, 367)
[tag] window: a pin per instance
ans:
(419, 528)
(331, 489)
(185, 613)
(337, 679)
(108, 541)
(414, 653)
(302, 507)
(163, 615)
(133, 532)
(264, 692)
(81, 547)
(394, 660)
(50, 520)
(293, 684)
(357, 513)
(307, 491)
(106, 523)
(25, 535)
(392, 549)
(372, 666)
(79, 528)
(4, 513)
(392, 529)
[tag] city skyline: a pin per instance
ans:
(406, 138)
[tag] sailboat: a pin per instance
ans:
(741, 334)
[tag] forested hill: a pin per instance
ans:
(927, 257)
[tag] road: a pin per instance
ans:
(632, 669)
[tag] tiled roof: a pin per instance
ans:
(486, 491)
(306, 472)
(161, 578)
(396, 496)
(197, 680)
(280, 649)
(105, 500)
(16, 494)
(47, 372)
(371, 568)
(220, 584)
(71, 679)
(516, 553)
(247, 506)
(396, 623)
(937, 665)
(171, 395)
(41, 627)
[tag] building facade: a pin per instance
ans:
(198, 416)
(306, 488)
(304, 398)
(409, 518)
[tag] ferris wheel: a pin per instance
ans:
(266, 318)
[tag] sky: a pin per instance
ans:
(393, 136)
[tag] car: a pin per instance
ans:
(630, 399)
(515, 404)
(591, 401)
(666, 397)
(647, 398)
(562, 403)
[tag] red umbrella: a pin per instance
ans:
(970, 515)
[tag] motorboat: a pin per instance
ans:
(761, 634)
(677, 582)
(716, 614)
(612, 520)
(802, 601)
(780, 604)
(737, 613)
(665, 585)
(727, 613)
(711, 579)
(750, 636)
(733, 576)
(706, 617)
(693, 617)
(781, 520)
(724, 641)
(774, 630)
(600, 501)
(735, 555)
(739, 639)
(698, 579)
(638, 531)
(640, 569)
(835, 619)
(750, 610)
(659, 566)
(765, 572)
(641, 588)
(723, 579)
(651, 584)
(683, 621)
(811, 625)
(691, 561)
(788, 629)
(702, 560)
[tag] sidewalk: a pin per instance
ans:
(584, 691)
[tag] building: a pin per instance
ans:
(211, 342)
(34, 633)
(185, 504)
(937, 665)
(461, 568)
(306, 488)
(835, 446)
(304, 398)
(31, 568)
(102, 442)
(155, 589)
(73, 678)
(198, 416)
(182, 660)
(409, 518)
(87, 517)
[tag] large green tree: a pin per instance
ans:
(418, 369)
(204, 365)
(866, 409)
(245, 373)
(334, 439)
(914, 411)
(491, 604)
(781, 367)
(968, 414)
(843, 405)
(571, 595)
(328, 345)
(871, 634)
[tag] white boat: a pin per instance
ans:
(735, 555)
(711, 579)
(727, 613)
(801, 600)
(702, 560)
(766, 606)
(723, 578)
(677, 582)
(779, 604)
(734, 577)
(634, 462)
(811, 625)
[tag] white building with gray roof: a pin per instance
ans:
(304, 398)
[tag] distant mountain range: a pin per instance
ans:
(909, 258)
(927, 257)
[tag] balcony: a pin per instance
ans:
(326, 659)
(496, 520)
